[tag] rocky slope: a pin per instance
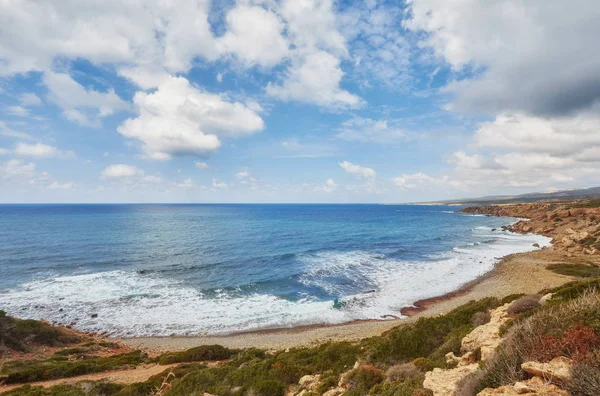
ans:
(573, 226)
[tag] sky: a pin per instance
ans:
(296, 100)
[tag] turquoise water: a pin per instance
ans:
(195, 269)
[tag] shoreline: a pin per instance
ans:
(509, 276)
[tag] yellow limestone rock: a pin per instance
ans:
(487, 336)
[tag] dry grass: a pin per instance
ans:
(527, 339)
(402, 371)
(481, 318)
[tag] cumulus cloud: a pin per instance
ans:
(119, 171)
(534, 57)
(254, 36)
(418, 180)
(330, 186)
(358, 170)
(315, 79)
(201, 165)
(180, 119)
(77, 102)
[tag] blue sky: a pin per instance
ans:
(296, 100)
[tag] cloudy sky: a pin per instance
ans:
(296, 100)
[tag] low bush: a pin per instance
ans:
(524, 304)
(362, 379)
(402, 371)
(576, 270)
(480, 318)
(269, 388)
(585, 380)
(198, 354)
(54, 368)
(406, 387)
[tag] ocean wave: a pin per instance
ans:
(132, 304)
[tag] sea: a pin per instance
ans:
(159, 270)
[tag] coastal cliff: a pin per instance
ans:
(573, 226)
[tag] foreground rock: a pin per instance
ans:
(557, 371)
(483, 341)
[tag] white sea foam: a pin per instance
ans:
(132, 304)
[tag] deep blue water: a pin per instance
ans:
(183, 269)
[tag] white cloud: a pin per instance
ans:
(37, 150)
(180, 119)
(30, 99)
(75, 99)
(330, 186)
(242, 174)
(418, 180)
(358, 170)
(360, 129)
(152, 179)
(201, 165)
(315, 79)
(534, 57)
(254, 35)
(121, 171)
(18, 111)
(186, 184)
(217, 184)
(17, 169)
(60, 186)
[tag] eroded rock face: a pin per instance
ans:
(486, 337)
(557, 371)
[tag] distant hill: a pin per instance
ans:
(593, 192)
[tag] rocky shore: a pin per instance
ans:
(573, 226)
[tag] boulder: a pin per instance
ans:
(557, 371)
(447, 382)
(545, 298)
(335, 392)
(309, 382)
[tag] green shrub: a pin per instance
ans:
(440, 334)
(269, 388)
(362, 379)
(18, 334)
(58, 390)
(576, 270)
(198, 354)
(54, 368)
(405, 387)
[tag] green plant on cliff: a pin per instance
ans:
(20, 335)
(576, 270)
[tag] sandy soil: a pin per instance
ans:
(520, 273)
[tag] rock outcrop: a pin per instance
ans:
(556, 371)
(482, 342)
